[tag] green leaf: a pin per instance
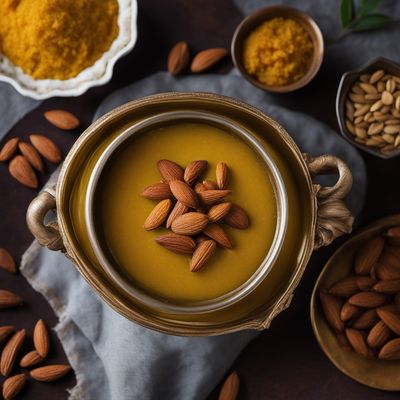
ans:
(372, 21)
(367, 6)
(346, 12)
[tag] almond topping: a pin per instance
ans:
(209, 197)
(194, 170)
(177, 243)
(157, 191)
(222, 174)
(170, 170)
(215, 232)
(202, 255)
(189, 224)
(184, 193)
(158, 215)
(237, 218)
(219, 211)
(179, 209)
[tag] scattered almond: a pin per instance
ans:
(6, 261)
(202, 255)
(368, 255)
(31, 155)
(158, 215)
(179, 209)
(41, 339)
(170, 170)
(230, 388)
(194, 170)
(31, 358)
(217, 233)
(331, 306)
(62, 119)
(47, 148)
(10, 352)
(177, 243)
(9, 149)
(210, 197)
(21, 170)
(5, 332)
(237, 218)
(222, 174)
(391, 350)
(9, 299)
(219, 211)
(184, 193)
(207, 58)
(50, 373)
(178, 58)
(13, 385)
(157, 191)
(190, 223)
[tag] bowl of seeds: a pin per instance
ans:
(368, 107)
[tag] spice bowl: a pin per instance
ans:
(345, 86)
(370, 371)
(254, 20)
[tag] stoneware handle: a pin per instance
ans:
(47, 234)
(333, 217)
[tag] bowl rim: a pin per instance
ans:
(302, 17)
(229, 298)
(340, 109)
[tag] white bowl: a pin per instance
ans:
(97, 74)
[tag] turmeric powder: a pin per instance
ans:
(56, 39)
(278, 52)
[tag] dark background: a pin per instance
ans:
(284, 362)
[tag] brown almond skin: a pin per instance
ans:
(13, 385)
(62, 119)
(170, 170)
(366, 320)
(178, 58)
(349, 311)
(345, 287)
(5, 332)
(10, 352)
(31, 358)
(222, 175)
(357, 341)
(331, 306)
(6, 261)
(158, 215)
(189, 224)
(184, 193)
(207, 58)
(200, 187)
(21, 170)
(179, 209)
(230, 387)
(179, 244)
(219, 211)
(32, 155)
(50, 373)
(368, 255)
(378, 335)
(210, 197)
(386, 270)
(9, 149)
(47, 148)
(390, 318)
(210, 185)
(202, 255)
(391, 286)
(41, 339)
(367, 299)
(217, 233)
(157, 191)
(9, 299)
(194, 170)
(391, 350)
(237, 218)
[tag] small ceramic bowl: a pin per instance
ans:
(379, 374)
(347, 81)
(257, 18)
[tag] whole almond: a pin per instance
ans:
(9, 149)
(179, 209)
(368, 255)
(349, 311)
(366, 320)
(390, 318)
(207, 58)
(158, 215)
(202, 255)
(393, 234)
(331, 306)
(62, 119)
(178, 58)
(189, 224)
(5, 332)
(170, 170)
(21, 170)
(357, 341)
(50, 373)
(31, 155)
(219, 211)
(391, 350)
(6, 261)
(41, 339)
(237, 218)
(345, 287)
(210, 185)
(367, 299)
(184, 193)
(389, 286)
(217, 233)
(194, 170)
(177, 243)
(210, 197)
(387, 267)
(230, 388)
(13, 385)
(47, 148)
(10, 352)
(157, 191)
(222, 175)
(9, 299)
(31, 358)
(378, 335)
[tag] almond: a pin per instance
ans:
(31, 358)
(50, 373)
(9, 299)
(390, 318)
(386, 270)
(10, 352)
(368, 255)
(21, 170)
(367, 299)
(210, 185)
(391, 350)
(170, 170)
(200, 187)
(331, 306)
(177, 243)
(215, 232)
(6, 261)
(207, 58)
(190, 223)
(184, 193)
(5, 332)
(178, 58)
(365, 282)
(31, 155)
(13, 385)
(230, 388)
(179, 209)
(390, 257)
(194, 170)
(209, 197)
(348, 311)
(158, 215)
(62, 119)
(345, 287)
(378, 335)
(157, 191)
(237, 218)
(202, 255)
(9, 149)
(41, 339)
(222, 175)
(393, 235)
(47, 148)
(219, 211)
(366, 320)
(357, 341)
(390, 286)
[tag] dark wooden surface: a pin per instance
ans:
(284, 362)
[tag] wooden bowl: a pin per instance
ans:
(347, 81)
(257, 18)
(379, 374)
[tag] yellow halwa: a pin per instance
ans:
(56, 39)
(278, 52)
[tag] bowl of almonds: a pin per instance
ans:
(355, 306)
(368, 108)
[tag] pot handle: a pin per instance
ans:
(333, 217)
(47, 234)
